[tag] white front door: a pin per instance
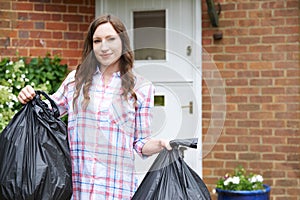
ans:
(165, 38)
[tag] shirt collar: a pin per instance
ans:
(117, 74)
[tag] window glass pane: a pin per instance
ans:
(149, 35)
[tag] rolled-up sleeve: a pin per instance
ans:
(145, 101)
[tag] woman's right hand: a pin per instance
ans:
(26, 94)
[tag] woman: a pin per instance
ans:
(108, 109)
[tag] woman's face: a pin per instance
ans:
(107, 45)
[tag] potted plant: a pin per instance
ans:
(242, 186)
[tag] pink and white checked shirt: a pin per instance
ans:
(103, 138)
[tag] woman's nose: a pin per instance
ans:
(104, 46)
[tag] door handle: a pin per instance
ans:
(188, 50)
(190, 107)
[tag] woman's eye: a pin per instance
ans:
(111, 39)
(97, 41)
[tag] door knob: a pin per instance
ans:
(190, 107)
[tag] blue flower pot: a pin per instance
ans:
(244, 195)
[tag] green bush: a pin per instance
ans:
(41, 73)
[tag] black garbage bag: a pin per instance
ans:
(35, 162)
(170, 178)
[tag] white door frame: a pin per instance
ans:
(196, 60)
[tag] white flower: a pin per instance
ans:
(1, 106)
(10, 104)
(7, 71)
(32, 84)
(18, 87)
(26, 80)
(15, 98)
(23, 76)
(227, 181)
(236, 180)
(1, 115)
(10, 62)
(10, 81)
(13, 75)
(256, 178)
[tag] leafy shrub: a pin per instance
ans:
(41, 73)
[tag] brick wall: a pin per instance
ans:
(34, 28)
(258, 64)
(258, 60)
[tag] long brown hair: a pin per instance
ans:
(85, 71)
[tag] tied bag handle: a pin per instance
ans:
(189, 142)
(54, 109)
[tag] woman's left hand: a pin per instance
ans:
(154, 146)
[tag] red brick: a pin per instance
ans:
(38, 52)
(72, 18)
(273, 39)
(273, 90)
(25, 25)
(238, 65)
(261, 115)
(248, 22)
(235, 49)
(287, 65)
(39, 7)
(261, 148)
(273, 107)
(261, 82)
(72, 9)
(260, 14)
(22, 6)
(236, 82)
(287, 115)
(247, 91)
(272, 21)
(235, 14)
(272, 73)
(272, 56)
(236, 115)
(248, 140)
(222, 57)
(56, 26)
(56, 8)
(225, 156)
(261, 31)
(287, 48)
(236, 32)
(248, 123)
(249, 156)
(236, 147)
(73, 36)
(236, 99)
(39, 16)
(286, 30)
(248, 57)
(273, 123)
(40, 34)
(273, 156)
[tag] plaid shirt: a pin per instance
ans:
(103, 137)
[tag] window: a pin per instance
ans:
(149, 35)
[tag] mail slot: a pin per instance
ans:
(159, 100)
